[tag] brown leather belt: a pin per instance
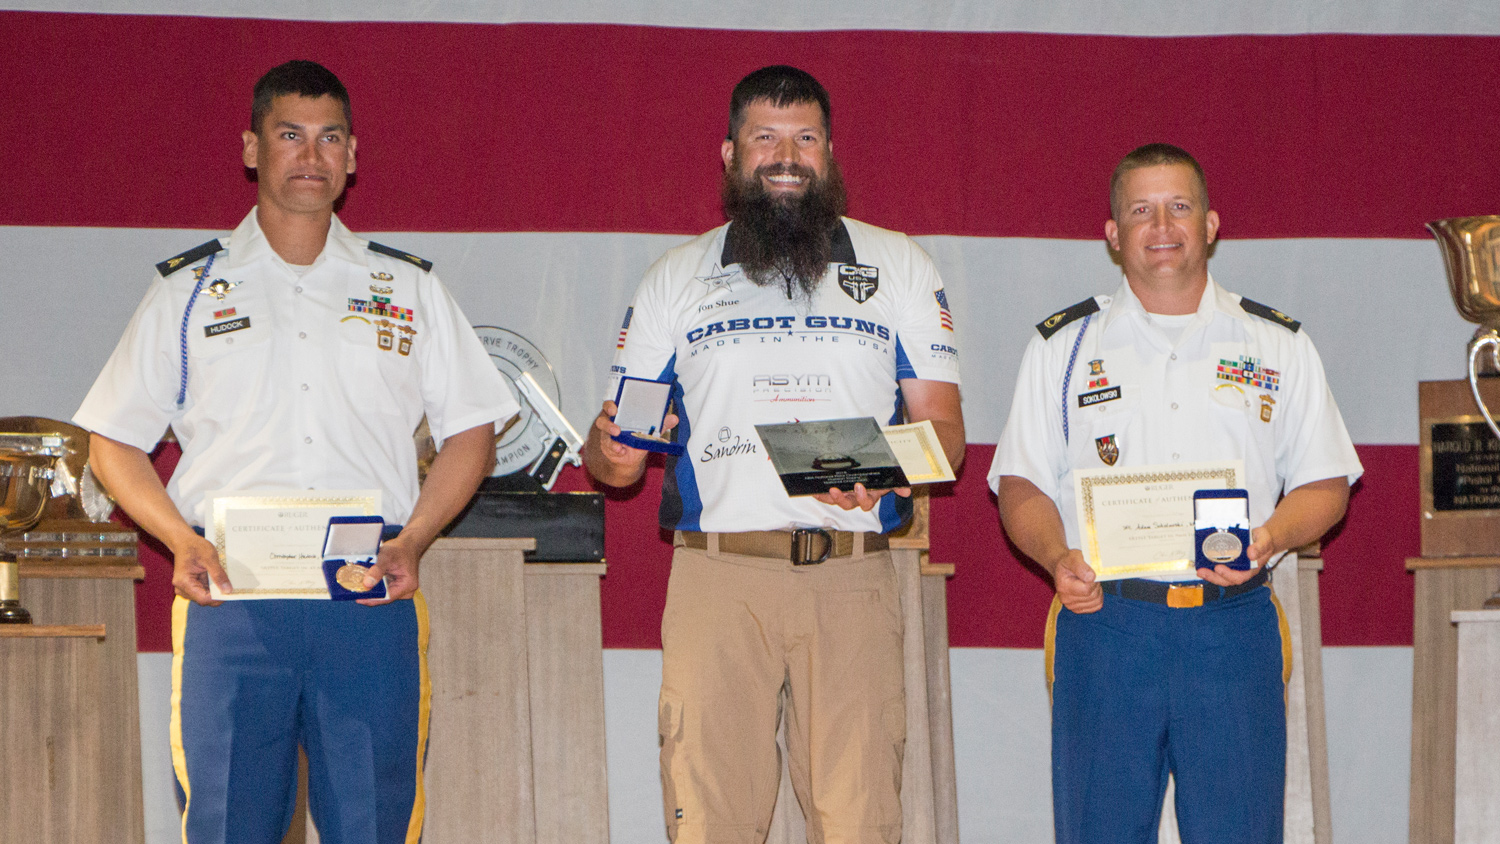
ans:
(802, 547)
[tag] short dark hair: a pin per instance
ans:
(1153, 155)
(780, 85)
(301, 77)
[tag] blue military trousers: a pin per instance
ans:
(1141, 689)
(252, 680)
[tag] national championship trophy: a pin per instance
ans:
(1460, 458)
(25, 476)
(1471, 252)
(51, 508)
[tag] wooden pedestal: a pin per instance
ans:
(1453, 573)
(515, 748)
(1476, 813)
(1309, 817)
(70, 727)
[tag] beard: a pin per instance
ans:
(787, 239)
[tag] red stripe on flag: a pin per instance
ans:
(134, 120)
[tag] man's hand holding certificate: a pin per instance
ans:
(1138, 521)
(271, 543)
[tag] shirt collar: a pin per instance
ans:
(1214, 299)
(248, 244)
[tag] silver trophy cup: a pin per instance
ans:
(1471, 252)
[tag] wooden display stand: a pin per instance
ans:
(1455, 572)
(929, 783)
(1309, 817)
(515, 749)
(70, 727)
(1476, 813)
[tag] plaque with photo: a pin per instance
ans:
(814, 457)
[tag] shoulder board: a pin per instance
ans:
(1270, 314)
(177, 262)
(1052, 324)
(401, 256)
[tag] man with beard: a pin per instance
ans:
(791, 312)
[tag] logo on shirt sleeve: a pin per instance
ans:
(944, 317)
(625, 327)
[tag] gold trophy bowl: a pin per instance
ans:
(25, 479)
(1471, 253)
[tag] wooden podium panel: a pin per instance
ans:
(1453, 573)
(69, 709)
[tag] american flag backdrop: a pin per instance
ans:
(541, 154)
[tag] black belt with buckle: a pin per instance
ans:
(1180, 595)
(802, 547)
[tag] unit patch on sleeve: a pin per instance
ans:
(859, 281)
(1052, 324)
(400, 256)
(1270, 314)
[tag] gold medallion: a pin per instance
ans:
(352, 577)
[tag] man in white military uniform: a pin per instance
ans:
(791, 312)
(294, 355)
(1149, 676)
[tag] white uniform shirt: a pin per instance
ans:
(1233, 386)
(310, 381)
(744, 355)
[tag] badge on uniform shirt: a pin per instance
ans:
(218, 288)
(382, 276)
(859, 281)
(1097, 379)
(382, 290)
(1266, 404)
(1109, 449)
(236, 324)
(403, 345)
(1248, 371)
(1098, 396)
(385, 335)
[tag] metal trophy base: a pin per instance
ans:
(11, 612)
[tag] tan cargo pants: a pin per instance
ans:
(741, 637)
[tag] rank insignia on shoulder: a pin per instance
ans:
(1269, 314)
(1052, 324)
(177, 262)
(409, 258)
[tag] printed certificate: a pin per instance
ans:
(271, 542)
(1138, 521)
(918, 451)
